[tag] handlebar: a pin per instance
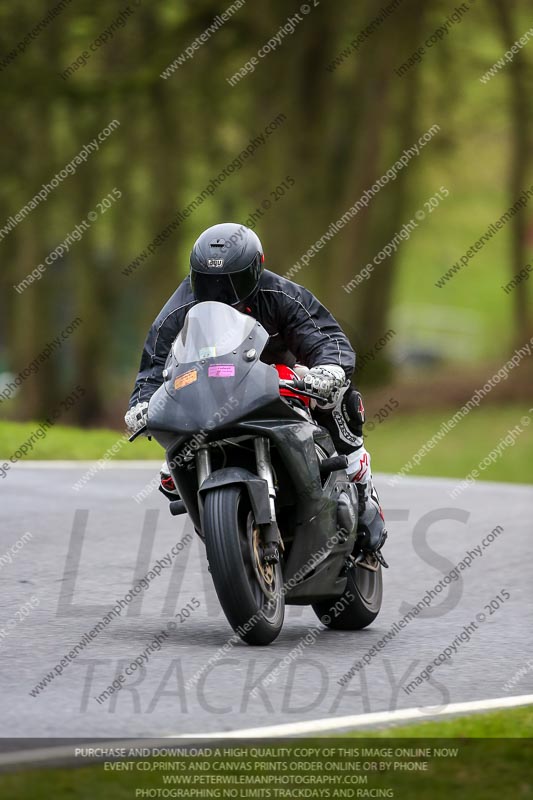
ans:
(298, 385)
(138, 433)
(294, 383)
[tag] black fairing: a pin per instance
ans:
(226, 388)
(229, 393)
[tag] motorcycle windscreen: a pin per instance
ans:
(213, 377)
(211, 329)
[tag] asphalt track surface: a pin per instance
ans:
(76, 573)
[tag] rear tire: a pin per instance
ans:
(358, 606)
(250, 594)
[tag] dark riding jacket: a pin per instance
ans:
(301, 331)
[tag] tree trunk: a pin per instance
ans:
(520, 164)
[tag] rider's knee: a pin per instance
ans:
(354, 410)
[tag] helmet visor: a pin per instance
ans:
(232, 288)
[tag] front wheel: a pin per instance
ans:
(250, 592)
(359, 604)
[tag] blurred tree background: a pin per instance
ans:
(347, 120)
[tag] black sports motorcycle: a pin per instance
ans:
(261, 481)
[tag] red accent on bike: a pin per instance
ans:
(262, 259)
(168, 484)
(287, 374)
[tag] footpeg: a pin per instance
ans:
(379, 556)
(333, 464)
(177, 507)
(373, 553)
(367, 561)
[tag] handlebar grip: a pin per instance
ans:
(138, 433)
(294, 383)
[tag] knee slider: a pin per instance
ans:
(354, 410)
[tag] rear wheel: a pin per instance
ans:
(250, 592)
(359, 604)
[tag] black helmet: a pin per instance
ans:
(226, 264)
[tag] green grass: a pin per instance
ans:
(474, 297)
(472, 162)
(62, 442)
(392, 444)
(516, 723)
(484, 769)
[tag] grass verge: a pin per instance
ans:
(63, 442)
(462, 767)
(514, 723)
(392, 444)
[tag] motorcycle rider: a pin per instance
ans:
(226, 265)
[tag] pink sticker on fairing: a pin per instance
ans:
(221, 371)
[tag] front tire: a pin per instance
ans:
(359, 604)
(250, 593)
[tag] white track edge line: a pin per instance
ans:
(359, 720)
(292, 728)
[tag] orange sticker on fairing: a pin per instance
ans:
(184, 380)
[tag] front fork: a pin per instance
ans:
(264, 469)
(203, 463)
(270, 534)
